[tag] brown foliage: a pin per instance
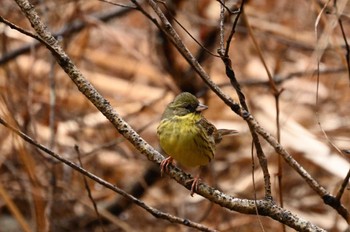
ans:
(133, 66)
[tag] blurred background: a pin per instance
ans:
(139, 71)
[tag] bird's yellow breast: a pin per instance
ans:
(182, 138)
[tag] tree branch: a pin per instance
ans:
(265, 208)
(156, 213)
(178, 43)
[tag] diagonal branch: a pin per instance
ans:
(68, 29)
(156, 213)
(265, 208)
(167, 28)
(231, 75)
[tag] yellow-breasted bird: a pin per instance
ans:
(186, 136)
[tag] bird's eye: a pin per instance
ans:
(188, 107)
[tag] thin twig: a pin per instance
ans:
(174, 37)
(222, 26)
(223, 5)
(266, 208)
(118, 4)
(317, 113)
(279, 158)
(343, 186)
(187, 32)
(254, 186)
(347, 47)
(232, 77)
(87, 187)
(21, 30)
(233, 30)
(318, 83)
(73, 27)
(156, 213)
(290, 76)
(276, 93)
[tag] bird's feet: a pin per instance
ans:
(164, 164)
(194, 185)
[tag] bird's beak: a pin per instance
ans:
(201, 107)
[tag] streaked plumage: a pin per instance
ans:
(186, 140)
(186, 136)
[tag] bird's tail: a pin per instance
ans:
(224, 132)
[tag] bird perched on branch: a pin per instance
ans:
(186, 136)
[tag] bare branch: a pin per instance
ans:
(174, 37)
(266, 208)
(156, 213)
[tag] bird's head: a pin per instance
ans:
(184, 103)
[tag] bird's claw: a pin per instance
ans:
(194, 185)
(164, 165)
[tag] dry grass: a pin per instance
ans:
(124, 59)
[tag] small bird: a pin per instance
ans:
(186, 136)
